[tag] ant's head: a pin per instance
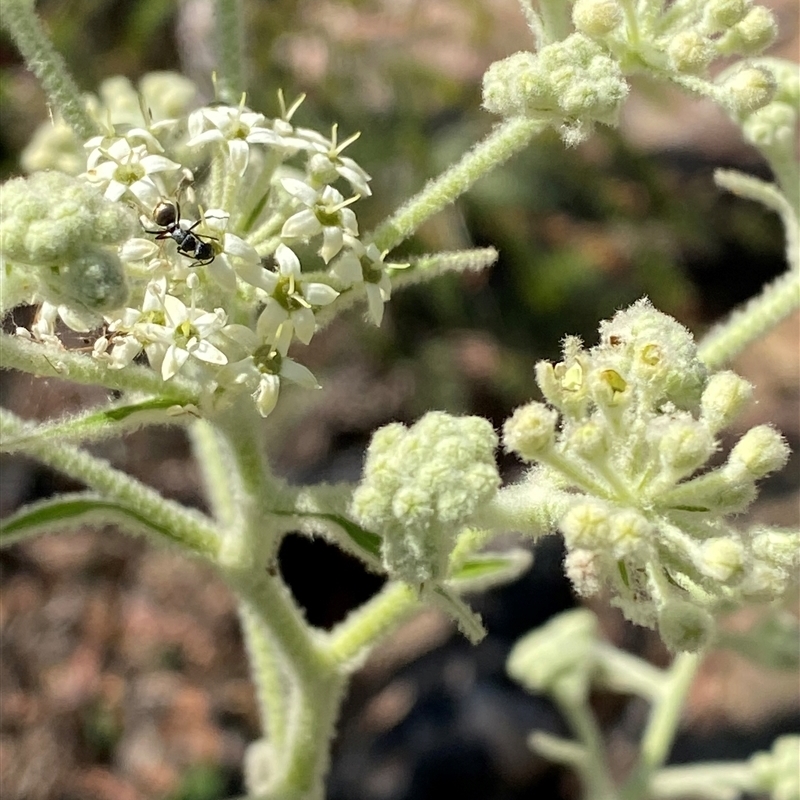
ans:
(167, 213)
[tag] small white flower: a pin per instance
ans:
(185, 334)
(327, 163)
(364, 265)
(121, 170)
(236, 126)
(261, 371)
(167, 329)
(288, 311)
(325, 211)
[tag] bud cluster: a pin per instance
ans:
(573, 84)
(245, 231)
(421, 485)
(772, 127)
(630, 426)
(579, 80)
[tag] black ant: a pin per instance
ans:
(167, 216)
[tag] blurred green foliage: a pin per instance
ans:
(201, 782)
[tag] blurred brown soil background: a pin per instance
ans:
(122, 674)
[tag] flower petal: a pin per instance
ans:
(174, 359)
(298, 374)
(301, 225)
(288, 262)
(266, 396)
(206, 351)
(319, 294)
(304, 324)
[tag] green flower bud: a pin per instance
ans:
(685, 446)
(507, 84)
(50, 218)
(558, 657)
(787, 79)
(596, 18)
(589, 441)
(93, 280)
(726, 395)
(689, 51)
(760, 451)
(586, 525)
(629, 531)
(779, 548)
(751, 35)
(722, 559)
(749, 89)
(721, 14)
(684, 627)
(774, 125)
(421, 484)
(574, 82)
(530, 431)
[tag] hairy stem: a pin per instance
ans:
(27, 31)
(231, 82)
(662, 725)
(53, 361)
(187, 528)
(508, 138)
(751, 321)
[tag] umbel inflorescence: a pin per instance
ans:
(204, 240)
(627, 430)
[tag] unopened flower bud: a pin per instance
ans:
(50, 217)
(685, 446)
(596, 18)
(749, 89)
(764, 583)
(780, 548)
(628, 532)
(508, 84)
(586, 525)
(589, 441)
(558, 657)
(724, 398)
(760, 451)
(684, 627)
(772, 126)
(722, 558)
(94, 280)
(720, 14)
(752, 34)
(580, 567)
(530, 431)
(420, 484)
(689, 51)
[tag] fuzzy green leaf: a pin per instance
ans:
(72, 511)
(483, 570)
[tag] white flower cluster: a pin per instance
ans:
(245, 231)
(627, 428)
